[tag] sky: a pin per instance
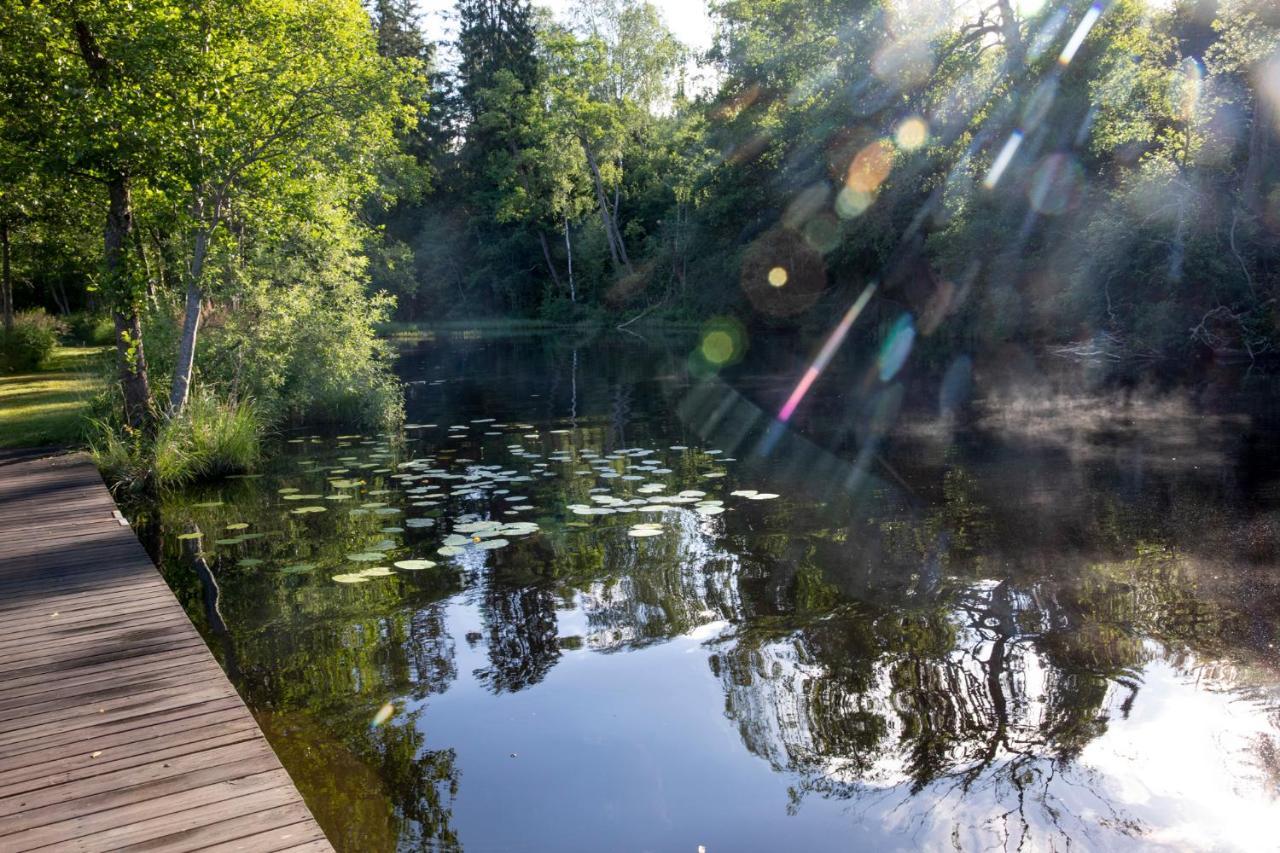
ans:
(688, 19)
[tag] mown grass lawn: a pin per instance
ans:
(46, 408)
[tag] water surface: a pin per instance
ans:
(976, 607)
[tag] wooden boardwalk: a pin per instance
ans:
(118, 729)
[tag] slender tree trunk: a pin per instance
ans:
(617, 250)
(546, 253)
(59, 292)
(568, 250)
(131, 357)
(181, 387)
(146, 267)
(6, 277)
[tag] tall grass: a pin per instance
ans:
(28, 345)
(210, 438)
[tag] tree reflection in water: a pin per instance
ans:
(995, 644)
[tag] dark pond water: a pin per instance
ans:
(975, 608)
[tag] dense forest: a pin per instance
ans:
(247, 188)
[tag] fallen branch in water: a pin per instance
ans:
(641, 314)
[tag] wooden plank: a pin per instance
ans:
(118, 729)
(131, 727)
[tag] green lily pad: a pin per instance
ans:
(414, 565)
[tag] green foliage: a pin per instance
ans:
(91, 329)
(210, 438)
(28, 345)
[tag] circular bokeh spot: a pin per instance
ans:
(774, 254)
(723, 341)
(870, 167)
(823, 232)
(911, 133)
(851, 203)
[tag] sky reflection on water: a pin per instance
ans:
(1035, 625)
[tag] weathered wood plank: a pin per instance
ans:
(118, 729)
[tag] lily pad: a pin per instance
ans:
(414, 565)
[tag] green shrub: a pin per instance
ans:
(30, 343)
(211, 438)
(92, 329)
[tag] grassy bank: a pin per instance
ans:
(46, 407)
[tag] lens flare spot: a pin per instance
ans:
(822, 232)
(903, 63)
(1187, 87)
(851, 204)
(1003, 159)
(870, 167)
(896, 347)
(1055, 185)
(777, 251)
(1268, 83)
(911, 133)
(717, 347)
(384, 713)
(1082, 31)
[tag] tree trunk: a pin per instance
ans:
(568, 250)
(146, 267)
(1259, 151)
(181, 388)
(6, 277)
(1011, 33)
(132, 359)
(617, 251)
(546, 253)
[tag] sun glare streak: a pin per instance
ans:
(824, 355)
(1002, 160)
(1082, 31)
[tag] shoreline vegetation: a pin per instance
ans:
(255, 226)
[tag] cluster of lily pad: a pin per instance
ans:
(447, 478)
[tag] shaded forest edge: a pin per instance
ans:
(247, 194)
